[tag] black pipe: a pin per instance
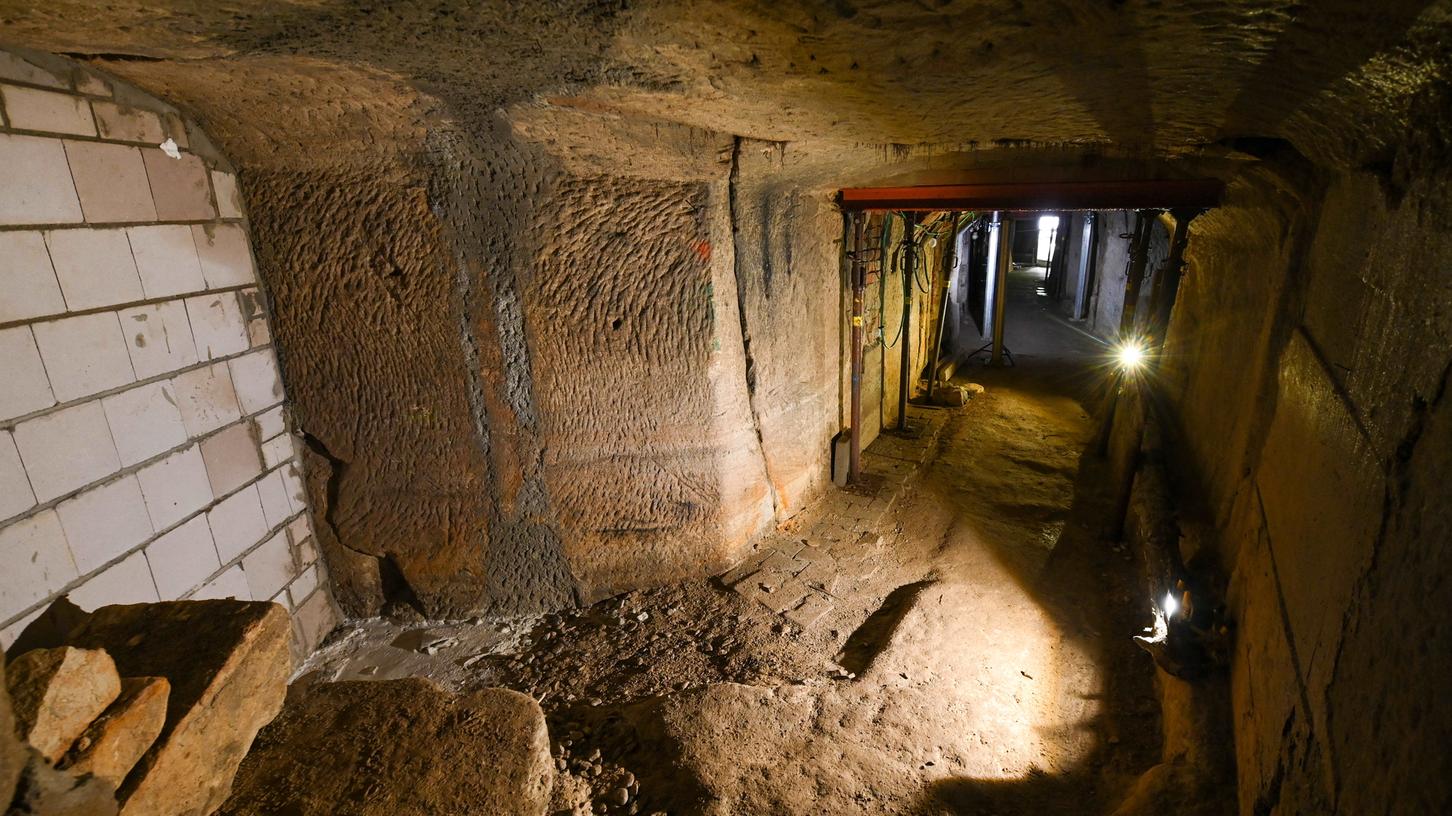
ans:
(909, 259)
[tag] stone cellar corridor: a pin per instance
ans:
(722, 407)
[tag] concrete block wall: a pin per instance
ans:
(145, 451)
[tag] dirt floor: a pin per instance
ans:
(983, 665)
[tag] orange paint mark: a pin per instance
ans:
(703, 251)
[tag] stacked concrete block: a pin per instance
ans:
(145, 452)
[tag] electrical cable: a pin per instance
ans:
(895, 264)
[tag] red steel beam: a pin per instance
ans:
(1065, 195)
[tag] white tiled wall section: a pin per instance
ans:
(144, 448)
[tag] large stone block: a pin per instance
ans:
(57, 693)
(12, 750)
(113, 744)
(227, 663)
(45, 791)
(397, 747)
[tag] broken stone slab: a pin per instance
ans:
(951, 396)
(45, 791)
(752, 590)
(113, 744)
(812, 609)
(227, 662)
(848, 552)
(780, 562)
(767, 581)
(776, 597)
(791, 547)
(394, 747)
(56, 693)
(823, 575)
(787, 596)
(813, 553)
(745, 569)
(828, 534)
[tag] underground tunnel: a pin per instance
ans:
(725, 407)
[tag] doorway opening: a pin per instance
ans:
(931, 269)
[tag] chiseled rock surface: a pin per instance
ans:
(12, 750)
(113, 744)
(398, 747)
(56, 693)
(44, 791)
(227, 663)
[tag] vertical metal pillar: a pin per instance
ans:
(950, 260)
(1059, 269)
(1168, 286)
(1138, 259)
(909, 261)
(1003, 228)
(1086, 246)
(990, 273)
(859, 287)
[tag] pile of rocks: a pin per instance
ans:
(951, 395)
(141, 709)
(590, 783)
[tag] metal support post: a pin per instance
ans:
(859, 287)
(909, 261)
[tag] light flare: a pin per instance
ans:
(1130, 355)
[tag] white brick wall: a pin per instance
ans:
(144, 445)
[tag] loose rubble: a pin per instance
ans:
(56, 693)
(115, 742)
(145, 710)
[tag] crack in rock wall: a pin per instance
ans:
(788, 244)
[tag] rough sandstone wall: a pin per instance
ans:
(787, 244)
(621, 308)
(368, 323)
(1310, 373)
(523, 381)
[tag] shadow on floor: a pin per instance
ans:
(875, 633)
(1082, 578)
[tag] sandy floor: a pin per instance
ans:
(983, 665)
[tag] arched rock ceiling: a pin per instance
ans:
(329, 80)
